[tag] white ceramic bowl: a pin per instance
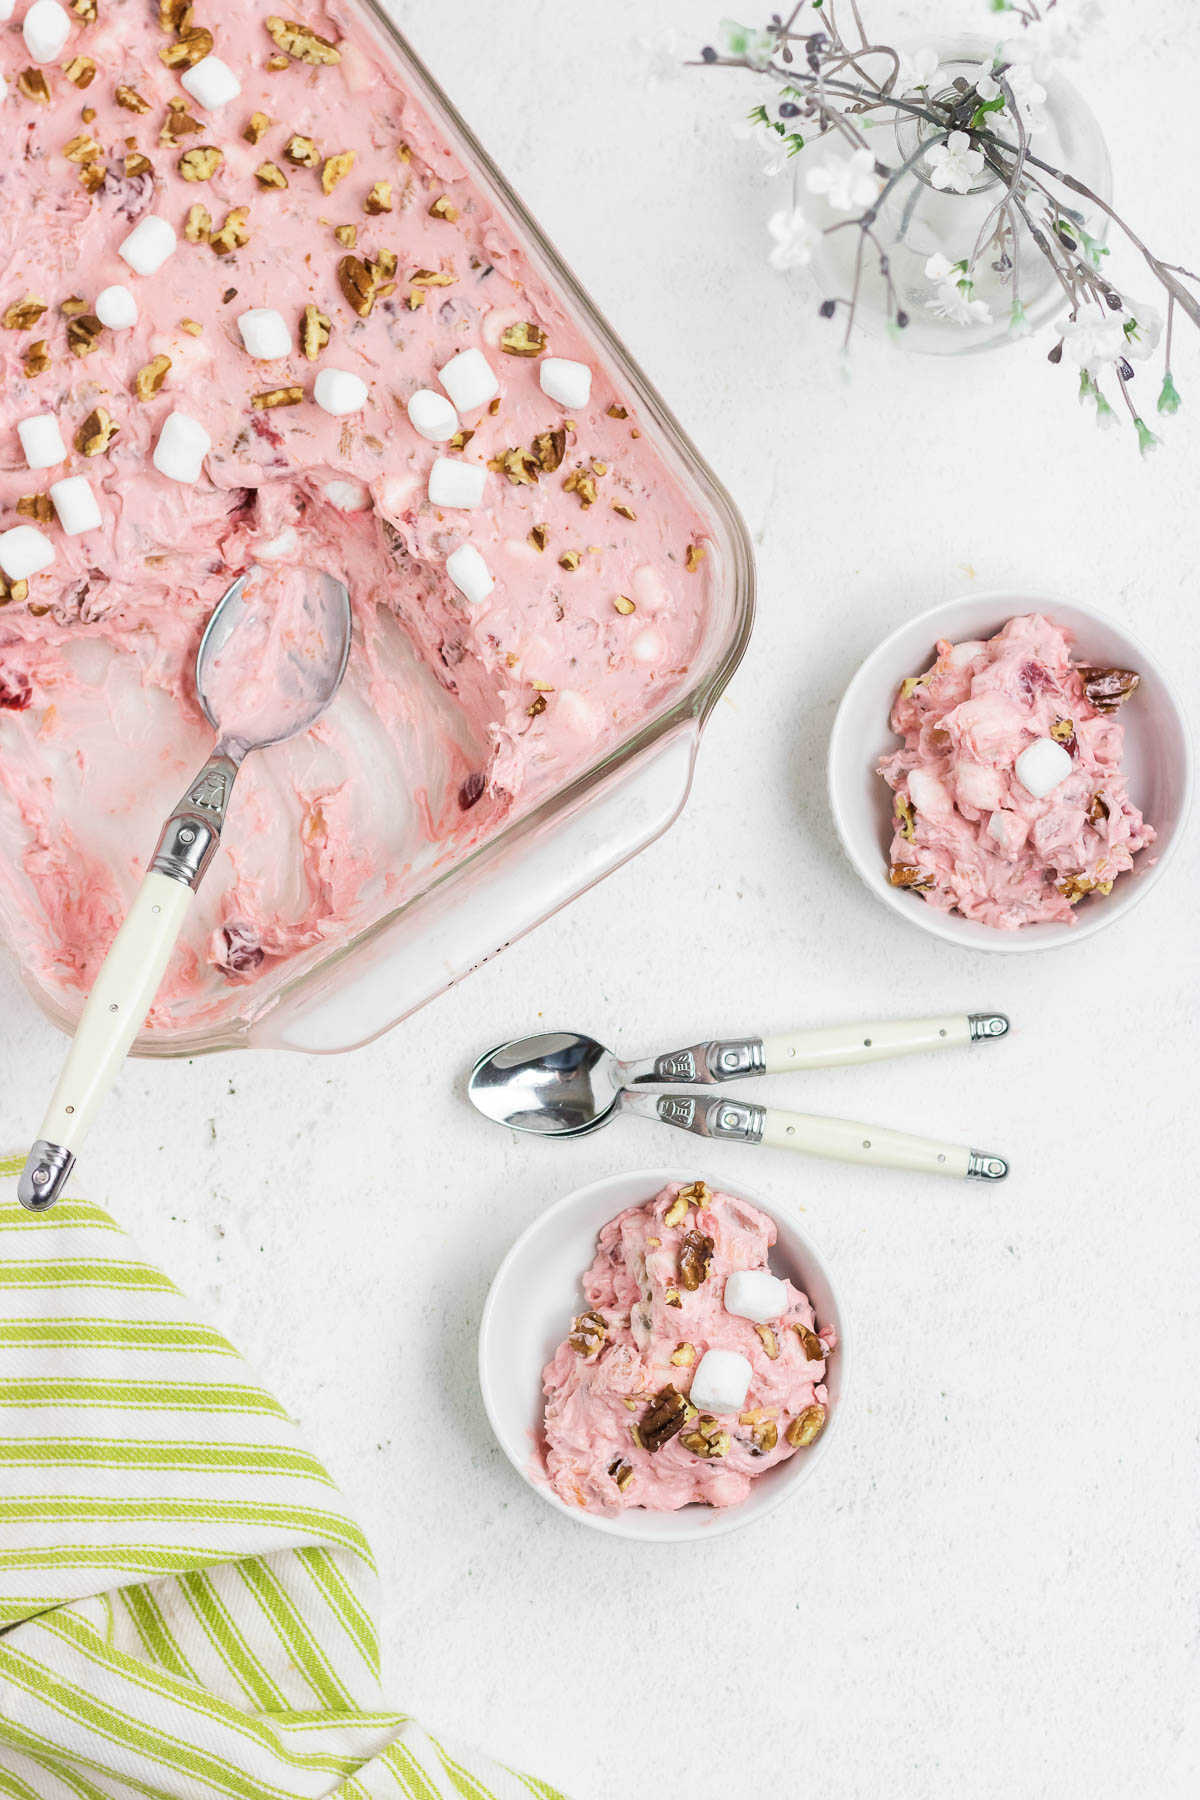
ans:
(1158, 760)
(536, 1292)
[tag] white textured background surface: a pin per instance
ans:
(992, 1590)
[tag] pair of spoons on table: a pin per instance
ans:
(267, 666)
(563, 1084)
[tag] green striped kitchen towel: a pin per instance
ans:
(186, 1610)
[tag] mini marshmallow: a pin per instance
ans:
(347, 496)
(469, 380)
(1041, 766)
(570, 383)
(7, 8)
(23, 551)
(116, 308)
(211, 82)
(469, 573)
(42, 441)
(75, 504)
(755, 1294)
(265, 333)
(148, 245)
(432, 415)
(182, 447)
(46, 28)
(721, 1381)
(284, 543)
(456, 484)
(339, 392)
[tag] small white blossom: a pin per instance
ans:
(986, 85)
(1141, 326)
(940, 268)
(1093, 340)
(847, 183)
(757, 47)
(795, 239)
(917, 70)
(778, 156)
(955, 297)
(956, 164)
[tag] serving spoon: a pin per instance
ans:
(291, 682)
(566, 1084)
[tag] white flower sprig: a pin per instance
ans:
(971, 133)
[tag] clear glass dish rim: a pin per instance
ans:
(692, 705)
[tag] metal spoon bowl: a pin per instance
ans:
(555, 1084)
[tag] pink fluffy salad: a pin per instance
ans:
(1010, 801)
(620, 1428)
(530, 582)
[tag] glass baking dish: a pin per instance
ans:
(466, 910)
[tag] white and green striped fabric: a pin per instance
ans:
(186, 1611)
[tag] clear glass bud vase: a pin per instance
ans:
(1013, 287)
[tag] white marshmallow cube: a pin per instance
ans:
(570, 383)
(265, 333)
(182, 447)
(432, 415)
(116, 308)
(339, 392)
(755, 1294)
(46, 28)
(469, 380)
(469, 573)
(148, 245)
(347, 496)
(1041, 766)
(211, 83)
(23, 551)
(42, 441)
(7, 8)
(456, 484)
(721, 1381)
(75, 504)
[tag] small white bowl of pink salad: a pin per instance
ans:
(1010, 772)
(661, 1357)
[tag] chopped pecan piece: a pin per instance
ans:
(806, 1427)
(256, 127)
(302, 151)
(708, 1439)
(525, 339)
(537, 537)
(148, 380)
(677, 1211)
(908, 875)
(85, 10)
(672, 1296)
(347, 235)
(695, 1259)
(72, 306)
(768, 1340)
(188, 50)
(23, 314)
(178, 123)
(83, 334)
(537, 706)
(521, 466)
(96, 433)
(667, 1414)
(1108, 688)
(570, 561)
(550, 447)
(197, 227)
(432, 278)
(131, 100)
(588, 1335)
(276, 63)
(301, 42)
(621, 1472)
(911, 683)
(315, 328)
(1098, 811)
(582, 483)
(444, 208)
(696, 1193)
(906, 823)
(33, 84)
(201, 163)
(695, 556)
(616, 412)
(364, 281)
(810, 1343)
(234, 233)
(12, 590)
(80, 71)
(270, 175)
(379, 198)
(763, 1428)
(174, 15)
(625, 512)
(684, 1355)
(36, 506)
(284, 396)
(624, 604)
(336, 168)
(137, 164)
(35, 358)
(1063, 731)
(1075, 887)
(193, 327)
